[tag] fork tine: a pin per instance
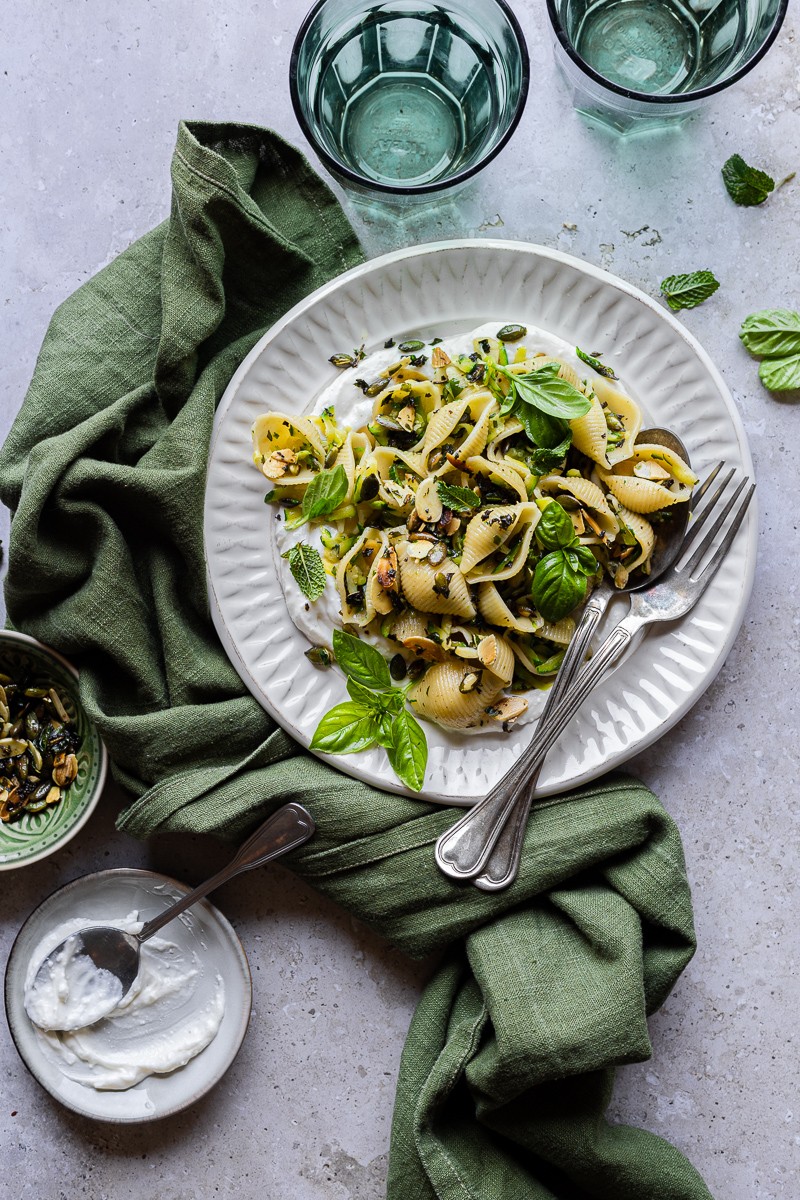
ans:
(722, 549)
(698, 493)
(697, 523)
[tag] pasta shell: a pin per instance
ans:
(495, 611)
(278, 439)
(587, 493)
(418, 581)
(437, 696)
(642, 531)
(647, 495)
(373, 542)
(473, 411)
(500, 660)
(481, 540)
(628, 412)
(500, 472)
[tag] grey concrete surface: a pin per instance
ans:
(91, 94)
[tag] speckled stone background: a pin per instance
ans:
(91, 93)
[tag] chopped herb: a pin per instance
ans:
(307, 570)
(387, 345)
(746, 185)
(593, 360)
(687, 291)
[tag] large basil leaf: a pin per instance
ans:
(546, 391)
(554, 529)
(542, 430)
(556, 587)
(360, 661)
(347, 728)
(408, 753)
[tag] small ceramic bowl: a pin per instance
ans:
(201, 930)
(35, 835)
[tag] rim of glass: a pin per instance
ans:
(372, 185)
(678, 97)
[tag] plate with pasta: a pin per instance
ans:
(446, 479)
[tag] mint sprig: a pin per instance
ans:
(307, 570)
(687, 291)
(374, 714)
(322, 496)
(746, 185)
(459, 499)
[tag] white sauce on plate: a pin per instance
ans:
(352, 408)
(172, 1012)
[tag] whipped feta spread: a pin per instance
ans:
(353, 409)
(173, 1010)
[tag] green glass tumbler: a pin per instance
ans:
(636, 64)
(408, 97)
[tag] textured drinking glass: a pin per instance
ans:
(635, 64)
(406, 98)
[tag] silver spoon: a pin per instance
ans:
(486, 843)
(118, 953)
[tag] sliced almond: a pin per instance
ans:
(386, 571)
(419, 550)
(425, 648)
(407, 416)
(439, 358)
(428, 502)
(487, 650)
(278, 463)
(508, 709)
(650, 470)
(452, 526)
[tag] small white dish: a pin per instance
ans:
(202, 928)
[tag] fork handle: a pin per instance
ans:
(502, 866)
(464, 849)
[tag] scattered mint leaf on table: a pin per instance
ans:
(746, 185)
(687, 291)
(772, 332)
(307, 570)
(781, 374)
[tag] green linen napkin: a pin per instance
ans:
(508, 1067)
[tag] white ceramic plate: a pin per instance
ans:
(440, 289)
(203, 930)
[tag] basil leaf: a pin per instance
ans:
(360, 661)
(307, 570)
(556, 587)
(460, 499)
(781, 374)
(554, 530)
(594, 362)
(325, 493)
(379, 703)
(586, 560)
(541, 429)
(746, 185)
(347, 728)
(773, 332)
(687, 291)
(408, 753)
(385, 736)
(544, 460)
(545, 390)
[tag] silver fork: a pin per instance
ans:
(464, 850)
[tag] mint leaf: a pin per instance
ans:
(554, 529)
(746, 185)
(781, 374)
(773, 332)
(347, 728)
(361, 662)
(544, 460)
(544, 390)
(687, 291)
(459, 499)
(307, 570)
(557, 588)
(594, 362)
(408, 753)
(325, 493)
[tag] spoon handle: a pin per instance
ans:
(286, 829)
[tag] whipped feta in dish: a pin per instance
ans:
(171, 1013)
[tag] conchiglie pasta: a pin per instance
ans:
(438, 696)
(460, 428)
(495, 611)
(642, 530)
(289, 450)
(497, 473)
(652, 478)
(434, 589)
(355, 577)
(495, 531)
(588, 494)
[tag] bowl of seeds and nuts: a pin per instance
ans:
(52, 761)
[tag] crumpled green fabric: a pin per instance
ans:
(544, 989)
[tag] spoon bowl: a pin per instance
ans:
(87, 975)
